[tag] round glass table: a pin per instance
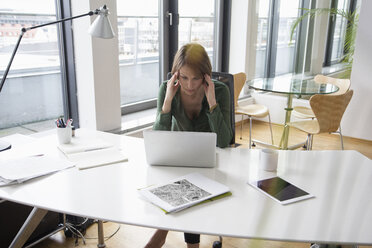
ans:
(290, 86)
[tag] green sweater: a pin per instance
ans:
(218, 121)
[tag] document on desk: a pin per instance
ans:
(95, 158)
(79, 144)
(183, 192)
(18, 170)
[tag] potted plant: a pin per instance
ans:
(350, 34)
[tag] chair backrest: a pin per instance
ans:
(342, 84)
(228, 79)
(239, 81)
(329, 109)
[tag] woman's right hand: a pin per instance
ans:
(172, 88)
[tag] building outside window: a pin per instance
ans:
(140, 38)
(198, 25)
(262, 36)
(274, 52)
(288, 13)
(138, 35)
(33, 88)
(339, 33)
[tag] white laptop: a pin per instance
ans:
(172, 148)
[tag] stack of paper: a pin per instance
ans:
(183, 192)
(92, 152)
(13, 171)
(83, 145)
(94, 158)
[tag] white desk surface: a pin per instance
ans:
(341, 211)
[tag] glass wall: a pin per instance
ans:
(275, 53)
(197, 24)
(138, 34)
(33, 89)
(263, 7)
(339, 33)
(285, 51)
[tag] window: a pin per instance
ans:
(33, 89)
(274, 52)
(337, 31)
(198, 25)
(262, 36)
(138, 34)
(148, 42)
(288, 12)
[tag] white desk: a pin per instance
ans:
(341, 211)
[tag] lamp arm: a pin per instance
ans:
(24, 30)
(11, 60)
(58, 21)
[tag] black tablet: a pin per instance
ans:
(280, 190)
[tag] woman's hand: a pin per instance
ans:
(172, 88)
(209, 91)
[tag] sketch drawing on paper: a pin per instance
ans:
(179, 193)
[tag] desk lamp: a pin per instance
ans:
(101, 28)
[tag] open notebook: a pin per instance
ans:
(184, 192)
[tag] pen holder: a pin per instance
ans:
(64, 134)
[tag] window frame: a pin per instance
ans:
(66, 56)
(330, 36)
(168, 44)
(66, 48)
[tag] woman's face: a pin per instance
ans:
(190, 80)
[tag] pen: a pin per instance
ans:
(69, 122)
(63, 123)
(94, 149)
(60, 122)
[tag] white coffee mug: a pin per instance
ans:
(64, 134)
(268, 159)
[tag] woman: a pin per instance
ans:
(191, 101)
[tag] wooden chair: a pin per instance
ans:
(302, 112)
(328, 110)
(343, 85)
(251, 110)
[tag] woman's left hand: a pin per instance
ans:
(209, 90)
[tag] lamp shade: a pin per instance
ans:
(101, 27)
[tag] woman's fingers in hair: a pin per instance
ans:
(173, 80)
(174, 76)
(208, 79)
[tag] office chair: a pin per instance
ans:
(343, 85)
(228, 79)
(328, 110)
(251, 110)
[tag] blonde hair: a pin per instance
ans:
(194, 56)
